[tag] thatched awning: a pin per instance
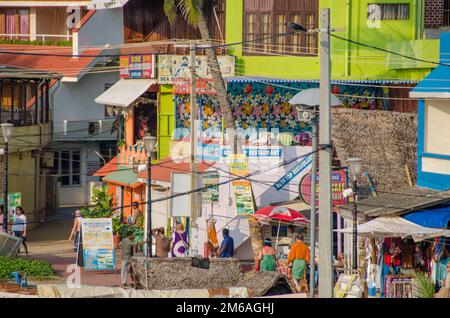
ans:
(394, 203)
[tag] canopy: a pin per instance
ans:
(437, 218)
(280, 213)
(396, 227)
(125, 92)
(311, 97)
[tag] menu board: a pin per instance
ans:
(138, 66)
(98, 246)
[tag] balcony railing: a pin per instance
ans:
(65, 39)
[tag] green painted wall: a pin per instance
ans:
(349, 61)
(166, 120)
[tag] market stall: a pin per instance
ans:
(396, 248)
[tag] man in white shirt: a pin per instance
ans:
(19, 227)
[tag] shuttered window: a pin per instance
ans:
(265, 23)
(388, 11)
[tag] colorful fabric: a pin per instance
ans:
(298, 269)
(180, 244)
(268, 263)
(392, 252)
(299, 251)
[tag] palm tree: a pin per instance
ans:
(192, 12)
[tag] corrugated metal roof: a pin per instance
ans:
(248, 79)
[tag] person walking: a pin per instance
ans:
(179, 244)
(267, 257)
(227, 246)
(127, 249)
(162, 242)
(298, 258)
(19, 227)
(76, 230)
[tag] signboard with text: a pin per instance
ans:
(14, 200)
(338, 185)
(98, 246)
(302, 165)
(182, 86)
(138, 66)
(211, 194)
(244, 198)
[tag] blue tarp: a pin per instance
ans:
(435, 218)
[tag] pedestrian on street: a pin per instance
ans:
(127, 248)
(298, 258)
(19, 227)
(162, 242)
(227, 246)
(267, 257)
(179, 243)
(137, 217)
(2, 215)
(76, 230)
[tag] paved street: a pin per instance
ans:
(49, 242)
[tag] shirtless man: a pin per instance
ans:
(76, 229)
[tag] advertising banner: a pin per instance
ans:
(178, 66)
(14, 200)
(138, 66)
(302, 165)
(210, 195)
(244, 198)
(182, 86)
(98, 246)
(338, 185)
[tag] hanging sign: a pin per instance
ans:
(182, 86)
(302, 165)
(138, 66)
(338, 185)
(211, 194)
(98, 246)
(244, 198)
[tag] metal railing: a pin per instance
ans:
(42, 37)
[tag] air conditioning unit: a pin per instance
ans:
(94, 128)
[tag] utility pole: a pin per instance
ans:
(313, 205)
(325, 157)
(193, 139)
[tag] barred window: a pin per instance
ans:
(388, 11)
(265, 23)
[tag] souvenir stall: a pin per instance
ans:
(275, 221)
(393, 248)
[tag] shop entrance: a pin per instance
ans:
(145, 116)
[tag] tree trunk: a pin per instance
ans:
(219, 84)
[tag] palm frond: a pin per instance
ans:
(423, 286)
(170, 10)
(191, 10)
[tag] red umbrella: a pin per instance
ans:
(282, 214)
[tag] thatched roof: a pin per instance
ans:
(385, 141)
(178, 273)
(396, 203)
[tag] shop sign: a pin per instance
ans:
(338, 185)
(238, 165)
(14, 200)
(178, 66)
(98, 247)
(211, 194)
(182, 86)
(301, 166)
(244, 198)
(138, 66)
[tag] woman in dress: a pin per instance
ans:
(298, 258)
(179, 244)
(267, 257)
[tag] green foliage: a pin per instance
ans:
(37, 42)
(120, 143)
(118, 226)
(34, 268)
(423, 285)
(190, 10)
(103, 204)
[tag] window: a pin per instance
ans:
(388, 11)
(265, 20)
(15, 21)
(67, 165)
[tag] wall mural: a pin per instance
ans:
(266, 105)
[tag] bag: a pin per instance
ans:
(200, 262)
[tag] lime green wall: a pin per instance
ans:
(166, 120)
(349, 61)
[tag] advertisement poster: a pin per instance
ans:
(182, 86)
(244, 198)
(138, 66)
(210, 195)
(238, 165)
(338, 185)
(14, 200)
(98, 246)
(178, 66)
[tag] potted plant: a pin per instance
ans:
(117, 231)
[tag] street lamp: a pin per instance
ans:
(355, 170)
(149, 142)
(7, 130)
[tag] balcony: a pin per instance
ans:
(36, 39)
(99, 130)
